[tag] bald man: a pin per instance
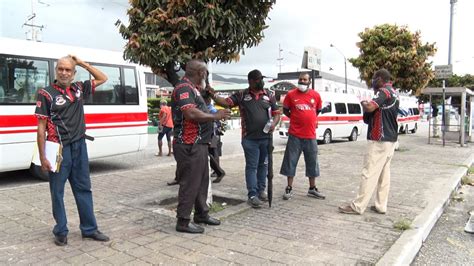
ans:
(193, 126)
(60, 113)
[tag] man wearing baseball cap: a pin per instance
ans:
(257, 108)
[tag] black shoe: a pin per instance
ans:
(60, 240)
(209, 220)
(190, 228)
(214, 174)
(219, 178)
(172, 183)
(97, 236)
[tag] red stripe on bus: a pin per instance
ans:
(31, 120)
(413, 118)
(339, 118)
(90, 127)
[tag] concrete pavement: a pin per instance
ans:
(135, 208)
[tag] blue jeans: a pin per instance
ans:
(256, 164)
(75, 168)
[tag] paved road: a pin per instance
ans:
(142, 159)
(299, 231)
(447, 243)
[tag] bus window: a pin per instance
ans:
(326, 108)
(340, 108)
(130, 89)
(106, 93)
(21, 78)
(354, 108)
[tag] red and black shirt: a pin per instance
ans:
(186, 95)
(64, 110)
(382, 122)
(253, 108)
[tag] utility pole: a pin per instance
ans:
(30, 22)
(451, 15)
(345, 66)
(280, 59)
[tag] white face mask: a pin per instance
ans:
(302, 87)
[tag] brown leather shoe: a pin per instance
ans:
(347, 210)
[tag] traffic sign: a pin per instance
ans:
(443, 71)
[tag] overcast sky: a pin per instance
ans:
(293, 25)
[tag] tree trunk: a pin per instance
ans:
(171, 73)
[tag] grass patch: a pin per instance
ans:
(466, 180)
(217, 207)
(471, 170)
(401, 149)
(456, 197)
(402, 224)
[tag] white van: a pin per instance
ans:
(408, 115)
(341, 117)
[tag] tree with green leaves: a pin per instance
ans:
(165, 34)
(399, 51)
(454, 81)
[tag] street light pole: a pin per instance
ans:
(452, 2)
(345, 66)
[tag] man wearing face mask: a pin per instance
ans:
(257, 107)
(381, 116)
(193, 125)
(302, 105)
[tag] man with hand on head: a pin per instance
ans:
(193, 126)
(60, 113)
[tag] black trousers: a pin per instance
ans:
(214, 161)
(192, 168)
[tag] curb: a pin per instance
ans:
(405, 249)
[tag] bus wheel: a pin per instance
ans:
(404, 129)
(36, 171)
(415, 128)
(354, 133)
(327, 138)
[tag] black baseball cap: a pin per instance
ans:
(255, 74)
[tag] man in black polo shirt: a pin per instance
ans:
(60, 113)
(257, 108)
(381, 116)
(193, 126)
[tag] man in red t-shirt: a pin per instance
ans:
(302, 106)
(166, 127)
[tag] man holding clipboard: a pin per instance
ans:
(60, 113)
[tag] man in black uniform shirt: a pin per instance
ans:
(60, 113)
(382, 134)
(192, 136)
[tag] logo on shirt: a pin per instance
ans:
(312, 100)
(303, 107)
(38, 104)
(78, 94)
(184, 95)
(248, 97)
(265, 97)
(59, 100)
